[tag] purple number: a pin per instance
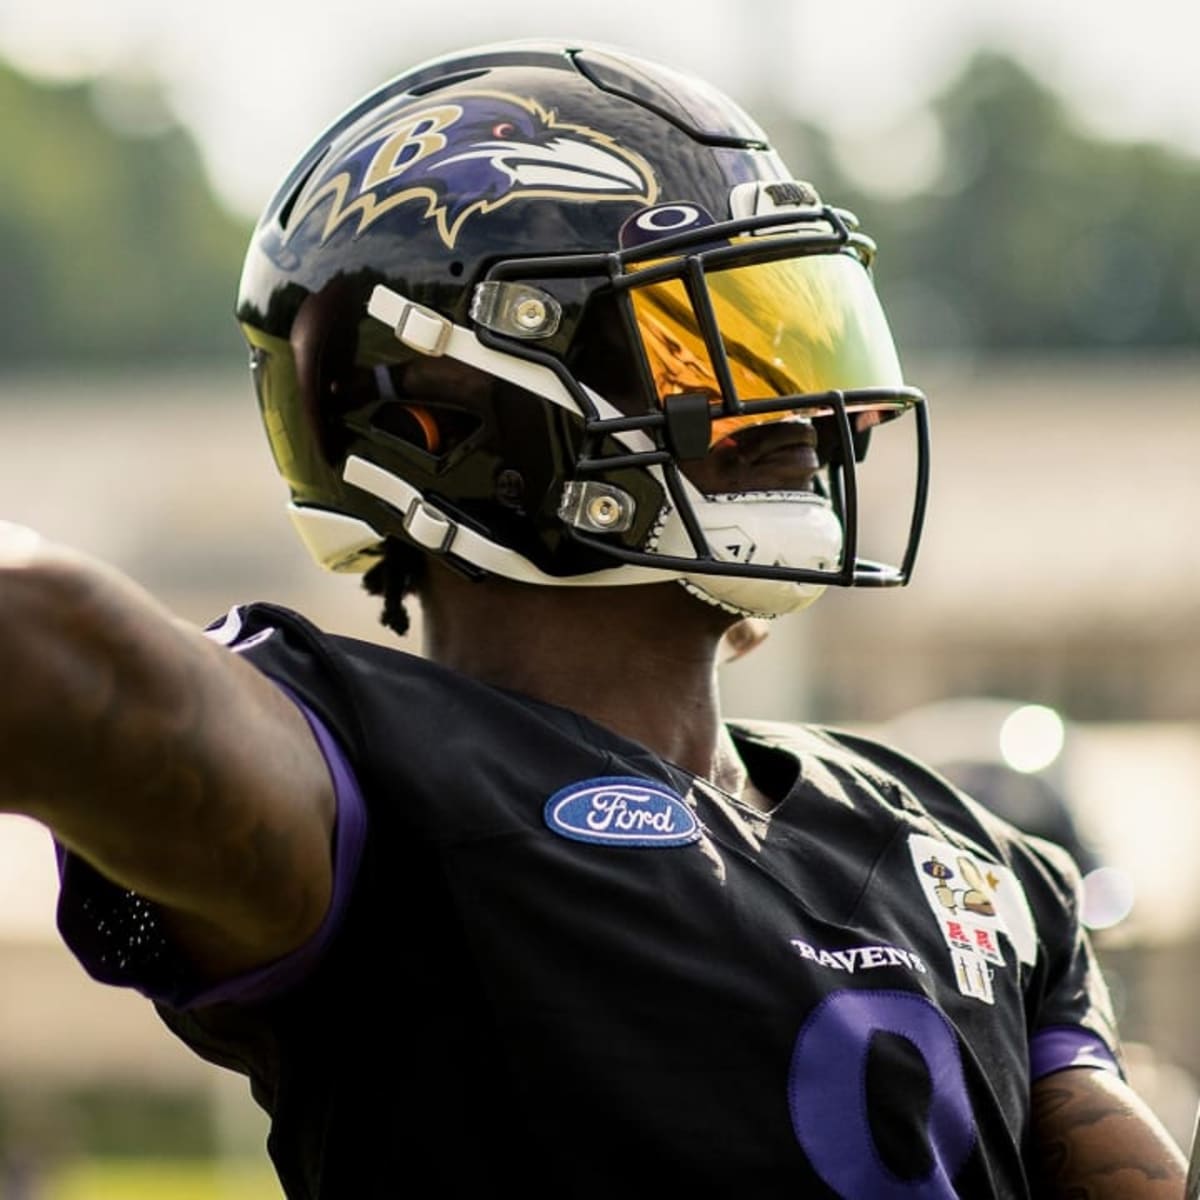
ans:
(828, 1102)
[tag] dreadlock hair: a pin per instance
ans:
(395, 577)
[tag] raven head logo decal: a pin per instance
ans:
(467, 156)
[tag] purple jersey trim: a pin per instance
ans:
(1064, 1046)
(350, 831)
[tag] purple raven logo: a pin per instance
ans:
(467, 156)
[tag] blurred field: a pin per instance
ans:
(150, 1180)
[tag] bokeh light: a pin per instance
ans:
(1108, 897)
(1031, 738)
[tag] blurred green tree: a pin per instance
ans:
(1035, 234)
(113, 247)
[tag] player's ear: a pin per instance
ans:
(748, 634)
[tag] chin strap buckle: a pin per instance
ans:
(418, 327)
(429, 527)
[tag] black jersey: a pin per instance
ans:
(567, 968)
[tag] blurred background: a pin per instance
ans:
(1033, 179)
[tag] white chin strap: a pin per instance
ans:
(778, 529)
(786, 529)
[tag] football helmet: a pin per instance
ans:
(503, 302)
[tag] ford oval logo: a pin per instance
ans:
(622, 811)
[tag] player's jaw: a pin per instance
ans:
(781, 456)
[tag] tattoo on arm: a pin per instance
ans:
(1094, 1139)
(174, 768)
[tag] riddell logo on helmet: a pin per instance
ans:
(467, 156)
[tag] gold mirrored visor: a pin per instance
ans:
(796, 326)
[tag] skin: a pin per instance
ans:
(745, 636)
(1093, 1137)
(180, 772)
(166, 761)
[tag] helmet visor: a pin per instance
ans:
(798, 326)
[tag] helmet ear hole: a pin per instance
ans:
(412, 423)
(431, 428)
(428, 425)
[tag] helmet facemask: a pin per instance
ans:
(684, 342)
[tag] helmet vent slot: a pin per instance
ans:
(445, 81)
(285, 213)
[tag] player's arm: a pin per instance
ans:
(1095, 1139)
(165, 761)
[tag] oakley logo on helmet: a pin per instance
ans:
(661, 221)
(465, 157)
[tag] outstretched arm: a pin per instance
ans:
(1095, 1139)
(169, 764)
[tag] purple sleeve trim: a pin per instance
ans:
(350, 832)
(1064, 1046)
